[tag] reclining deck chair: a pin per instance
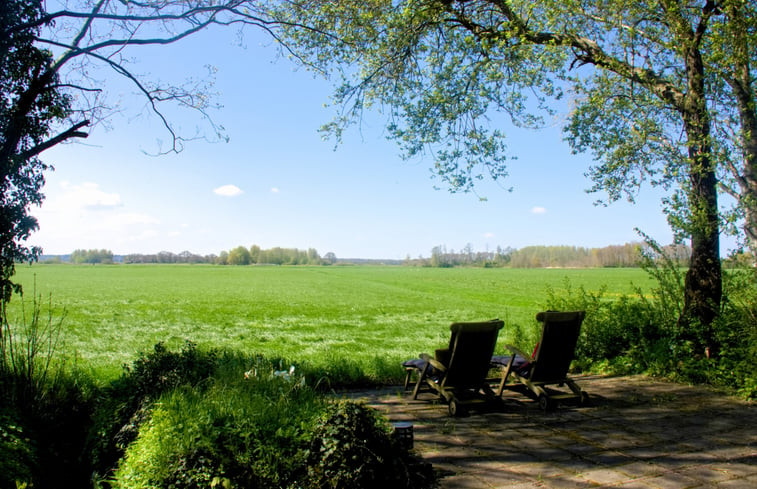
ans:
(458, 373)
(549, 363)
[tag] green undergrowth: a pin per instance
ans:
(200, 418)
(640, 333)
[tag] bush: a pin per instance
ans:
(612, 329)
(17, 453)
(641, 333)
(352, 447)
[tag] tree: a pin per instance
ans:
(92, 256)
(640, 76)
(49, 100)
(329, 258)
(239, 256)
(254, 254)
(25, 123)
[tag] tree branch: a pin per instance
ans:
(72, 132)
(585, 50)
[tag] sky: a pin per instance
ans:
(277, 182)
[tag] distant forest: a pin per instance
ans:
(626, 255)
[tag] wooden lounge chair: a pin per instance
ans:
(549, 363)
(458, 373)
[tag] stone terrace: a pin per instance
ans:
(636, 433)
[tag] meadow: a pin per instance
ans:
(373, 316)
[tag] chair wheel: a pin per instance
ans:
(544, 403)
(455, 409)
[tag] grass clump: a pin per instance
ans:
(247, 434)
(126, 402)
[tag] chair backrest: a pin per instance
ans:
(557, 346)
(472, 346)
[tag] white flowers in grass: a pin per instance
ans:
(287, 375)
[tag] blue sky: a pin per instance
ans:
(277, 183)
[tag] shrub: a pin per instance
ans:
(17, 452)
(612, 328)
(641, 333)
(352, 447)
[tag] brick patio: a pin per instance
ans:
(637, 433)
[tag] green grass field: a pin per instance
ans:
(313, 314)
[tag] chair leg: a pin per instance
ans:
(408, 373)
(421, 379)
(505, 374)
(580, 393)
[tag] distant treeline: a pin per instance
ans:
(626, 255)
(91, 256)
(274, 256)
(240, 255)
(168, 257)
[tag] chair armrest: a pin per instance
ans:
(518, 352)
(433, 362)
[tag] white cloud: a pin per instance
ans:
(88, 196)
(488, 235)
(228, 191)
(538, 210)
(275, 190)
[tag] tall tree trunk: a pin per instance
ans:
(703, 284)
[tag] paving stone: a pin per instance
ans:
(567, 483)
(639, 469)
(739, 469)
(608, 458)
(741, 483)
(604, 476)
(541, 470)
(643, 483)
(707, 473)
(673, 480)
(497, 477)
(621, 442)
(577, 465)
(461, 481)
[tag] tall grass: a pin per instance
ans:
(45, 406)
(28, 343)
